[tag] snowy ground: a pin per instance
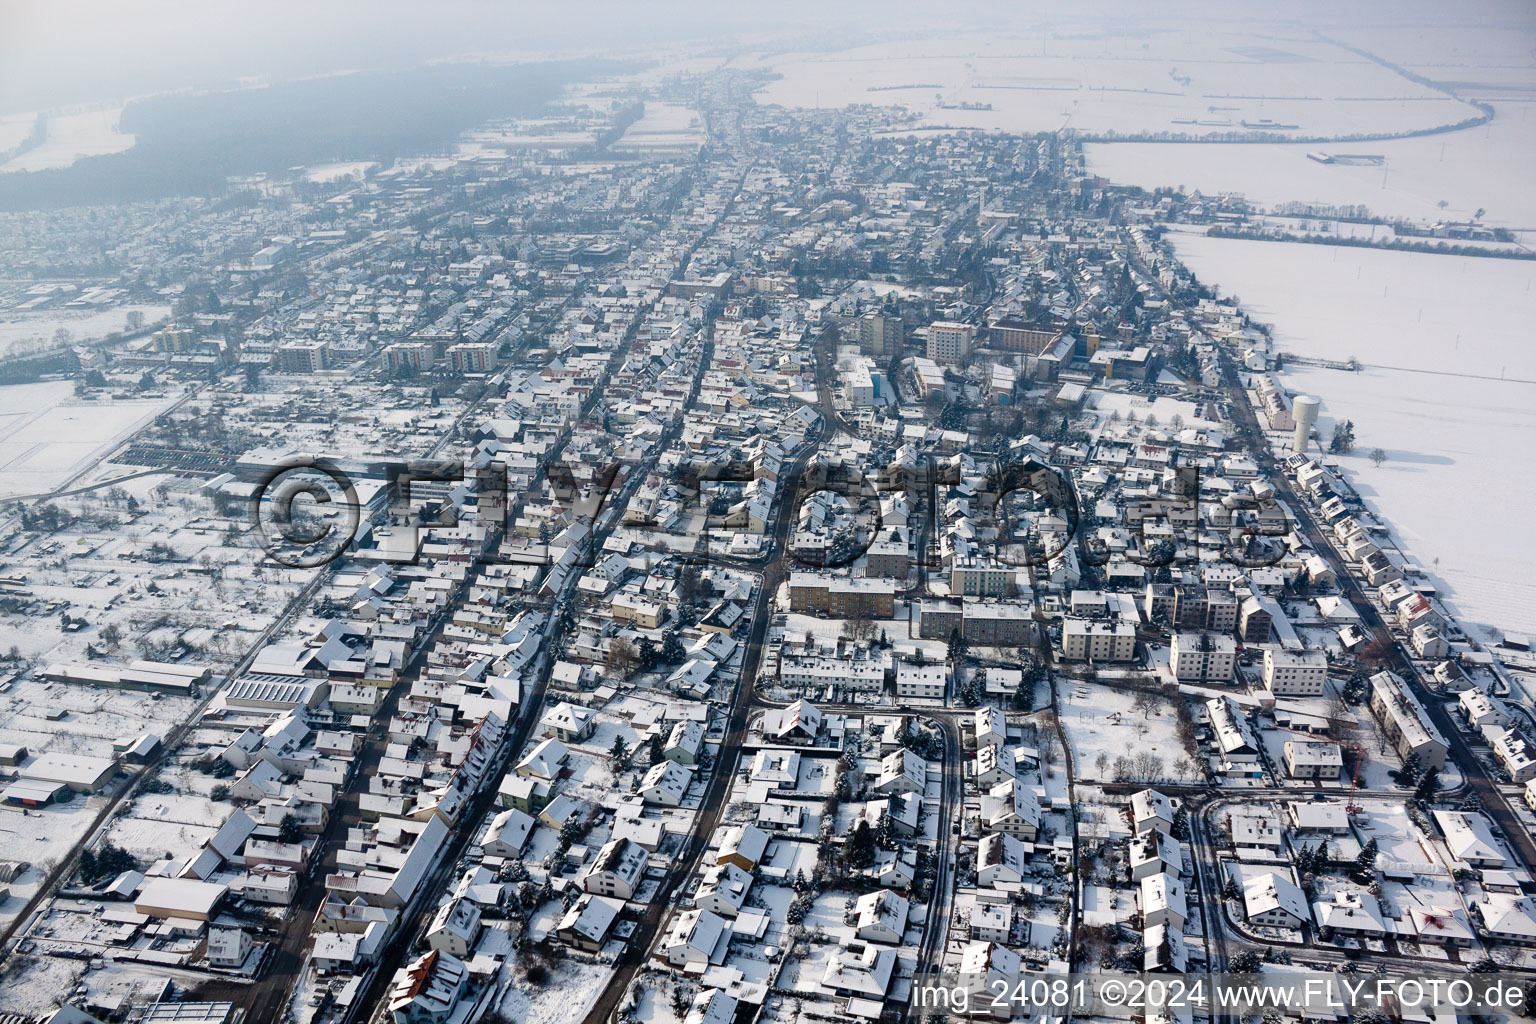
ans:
(46, 435)
(1161, 79)
(570, 984)
(1477, 168)
(1102, 720)
(72, 136)
(1447, 486)
(36, 329)
(664, 126)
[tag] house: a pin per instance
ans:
(617, 869)
(1406, 724)
(801, 722)
(989, 967)
(587, 924)
(712, 1006)
(724, 890)
(568, 722)
(774, 816)
(524, 793)
(1441, 926)
(1164, 949)
(881, 916)
(994, 764)
(1272, 900)
(261, 780)
(1234, 738)
(744, 846)
(228, 947)
(427, 990)
(1506, 917)
(990, 726)
(508, 834)
(1313, 759)
(1013, 808)
(928, 680)
(1295, 673)
(1349, 914)
(1469, 839)
(1000, 860)
(544, 761)
(685, 742)
(894, 869)
(860, 970)
(991, 922)
(665, 784)
(902, 771)
(1151, 810)
(1327, 816)
(560, 810)
(776, 766)
(1482, 710)
(1254, 832)
(1513, 752)
(1163, 901)
(181, 898)
(696, 939)
(1155, 853)
(455, 928)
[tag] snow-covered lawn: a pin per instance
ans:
(1102, 720)
(569, 989)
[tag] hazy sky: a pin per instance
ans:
(59, 52)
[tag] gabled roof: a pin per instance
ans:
(1269, 890)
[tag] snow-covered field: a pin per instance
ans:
(337, 171)
(46, 436)
(664, 126)
(1161, 78)
(1453, 486)
(72, 136)
(21, 331)
(1478, 168)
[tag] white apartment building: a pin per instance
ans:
(949, 342)
(1203, 657)
(927, 680)
(1295, 673)
(1098, 640)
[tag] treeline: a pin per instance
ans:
(1435, 248)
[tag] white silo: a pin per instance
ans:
(1304, 411)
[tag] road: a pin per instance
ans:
(713, 803)
(1477, 779)
(930, 953)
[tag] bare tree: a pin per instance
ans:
(623, 659)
